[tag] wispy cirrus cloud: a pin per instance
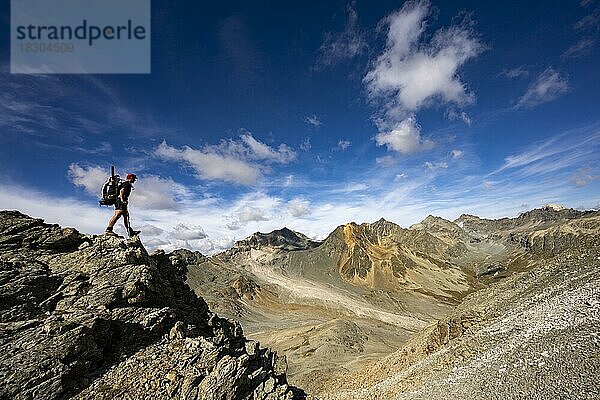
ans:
(513, 73)
(580, 49)
(344, 45)
(565, 151)
(413, 73)
(548, 86)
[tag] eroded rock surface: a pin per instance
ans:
(96, 317)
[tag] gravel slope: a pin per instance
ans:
(533, 335)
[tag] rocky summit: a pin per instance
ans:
(97, 317)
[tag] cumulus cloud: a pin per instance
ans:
(209, 165)
(251, 214)
(154, 192)
(410, 73)
(313, 121)
(90, 178)
(298, 207)
(151, 230)
(345, 45)
(457, 154)
(413, 73)
(184, 232)
(548, 86)
(231, 160)
(405, 138)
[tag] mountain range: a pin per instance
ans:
(470, 308)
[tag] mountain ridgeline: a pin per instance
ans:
(382, 282)
(373, 311)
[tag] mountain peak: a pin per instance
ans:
(281, 239)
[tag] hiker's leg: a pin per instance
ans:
(114, 218)
(126, 220)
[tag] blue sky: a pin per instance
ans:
(309, 115)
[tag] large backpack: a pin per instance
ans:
(110, 189)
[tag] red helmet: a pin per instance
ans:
(130, 177)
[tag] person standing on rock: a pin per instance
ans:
(124, 191)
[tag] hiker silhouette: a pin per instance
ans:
(121, 206)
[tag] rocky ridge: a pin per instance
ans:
(97, 317)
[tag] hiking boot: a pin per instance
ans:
(133, 233)
(109, 232)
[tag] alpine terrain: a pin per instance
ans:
(470, 309)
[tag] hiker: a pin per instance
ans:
(121, 202)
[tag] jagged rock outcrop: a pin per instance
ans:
(97, 317)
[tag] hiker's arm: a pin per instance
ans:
(122, 195)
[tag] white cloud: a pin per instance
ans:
(355, 187)
(251, 214)
(305, 145)
(158, 193)
(298, 207)
(405, 138)
(513, 73)
(457, 154)
(400, 177)
(589, 22)
(489, 185)
(454, 115)
(343, 144)
(548, 86)
(567, 150)
(580, 49)
(209, 165)
(151, 230)
(154, 242)
(90, 178)
(344, 45)
(259, 151)
(386, 161)
(433, 166)
(410, 74)
(313, 121)
(184, 232)
(230, 160)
